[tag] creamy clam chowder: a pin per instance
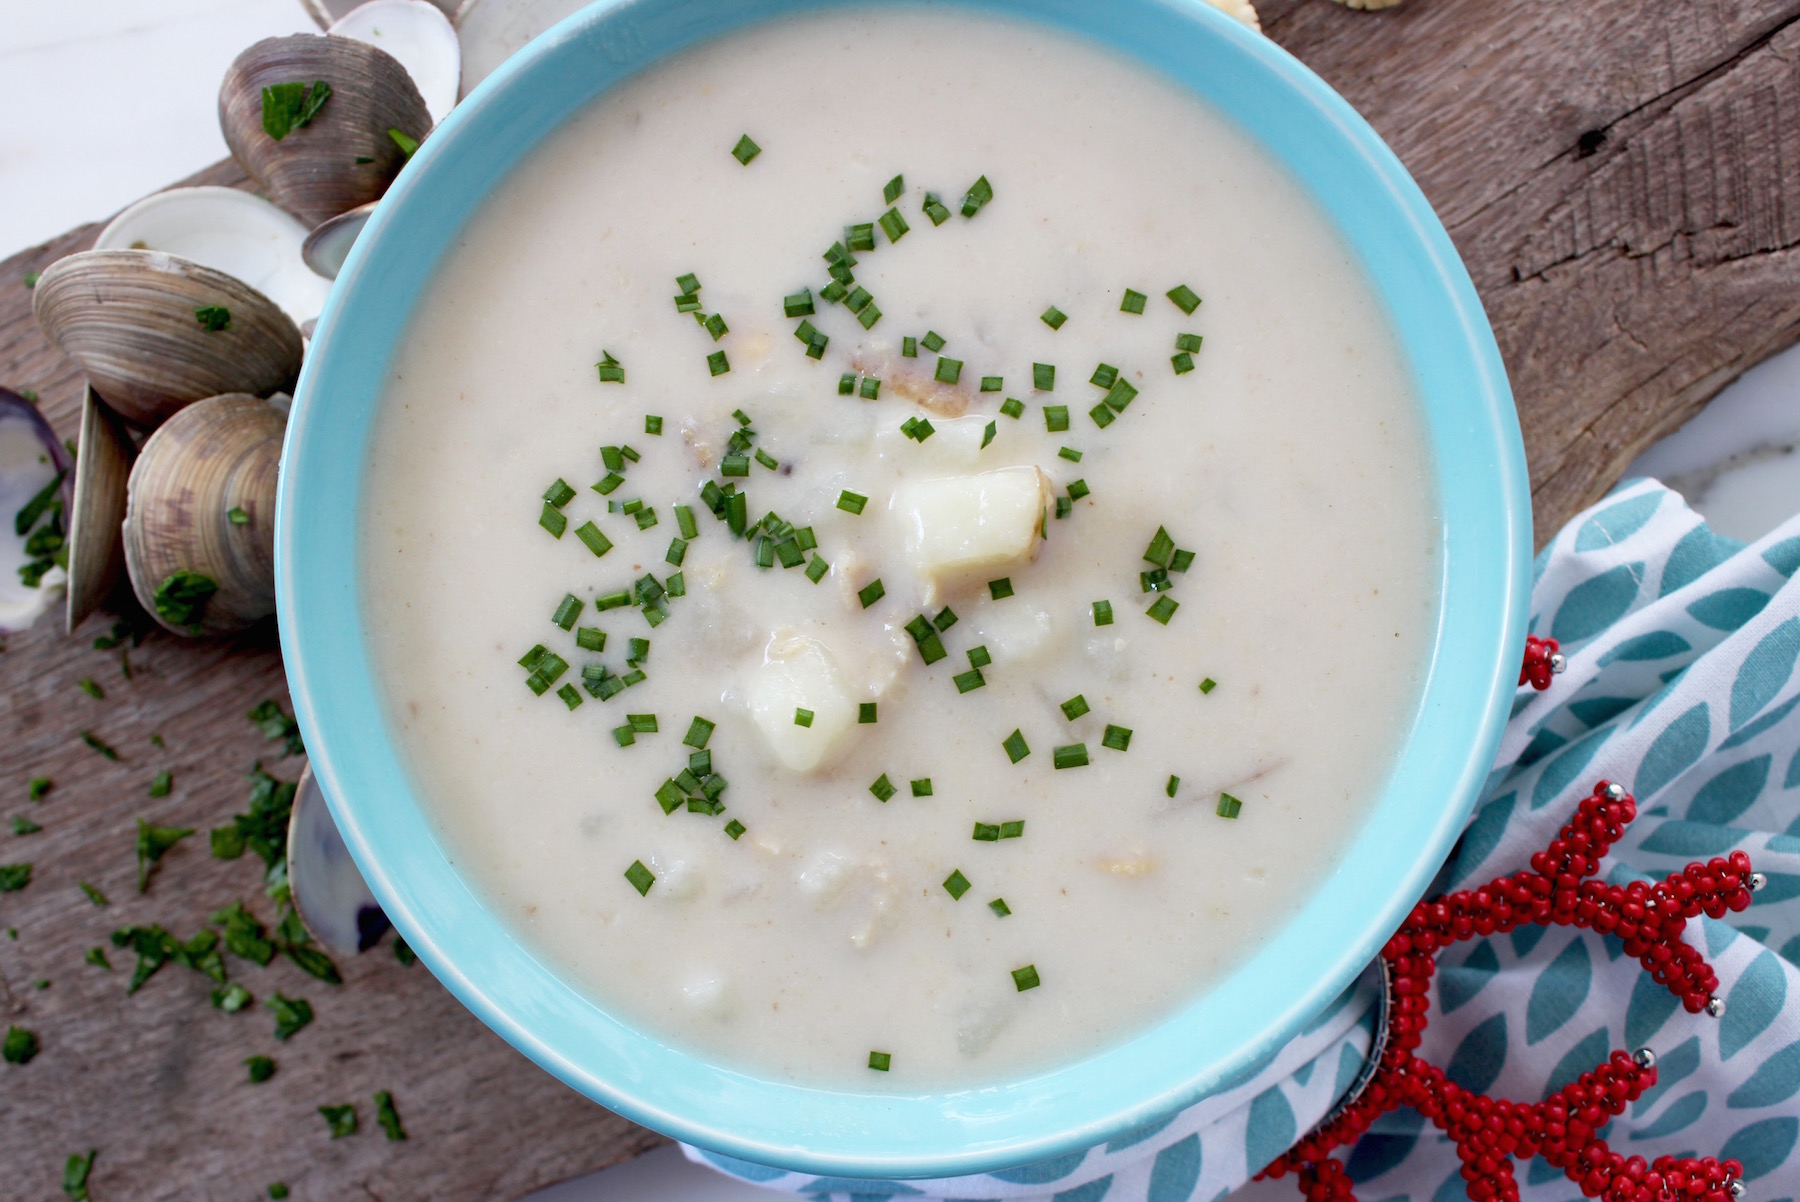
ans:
(899, 549)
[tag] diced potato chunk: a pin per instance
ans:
(800, 673)
(971, 524)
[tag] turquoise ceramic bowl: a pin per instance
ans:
(1480, 473)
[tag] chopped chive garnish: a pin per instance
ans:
(1074, 707)
(1056, 418)
(1154, 581)
(834, 292)
(880, 1061)
(1116, 737)
(802, 717)
(1064, 507)
(91, 688)
(676, 553)
(1182, 562)
(652, 424)
(992, 383)
(1000, 589)
(987, 435)
(93, 895)
(979, 657)
(734, 465)
(735, 829)
(986, 833)
(1013, 408)
(1174, 783)
(609, 368)
(949, 370)
(743, 152)
(1208, 685)
(1185, 298)
(890, 191)
(569, 696)
(1103, 417)
(933, 341)
(931, 649)
(1132, 301)
(1163, 608)
(590, 638)
(631, 678)
(641, 878)
(767, 460)
(871, 592)
(25, 826)
(613, 458)
(213, 318)
(979, 193)
(851, 502)
(715, 325)
(1229, 806)
(1013, 830)
(922, 787)
(894, 225)
(1078, 489)
(1000, 908)
(934, 208)
(37, 787)
(799, 304)
(532, 658)
(608, 601)
(689, 283)
(699, 731)
(858, 300)
(608, 483)
(1072, 756)
(687, 303)
(847, 384)
(1053, 317)
(684, 520)
(567, 612)
(945, 619)
(1025, 978)
(1104, 376)
(1182, 362)
(1016, 749)
(1043, 377)
(559, 493)
(922, 429)
(596, 542)
(882, 788)
(1103, 614)
(816, 569)
(669, 795)
(1119, 395)
(717, 364)
(870, 388)
(1069, 453)
(909, 348)
(860, 237)
(969, 681)
(643, 724)
(552, 520)
(956, 884)
(1188, 342)
(865, 712)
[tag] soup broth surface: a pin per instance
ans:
(878, 901)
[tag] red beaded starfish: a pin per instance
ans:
(1490, 1132)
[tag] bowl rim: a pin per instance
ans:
(1479, 469)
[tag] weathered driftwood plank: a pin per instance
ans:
(1619, 177)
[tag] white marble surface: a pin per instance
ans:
(103, 101)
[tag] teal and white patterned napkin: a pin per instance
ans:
(1681, 685)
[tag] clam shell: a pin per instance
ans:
(344, 156)
(128, 317)
(96, 548)
(238, 233)
(213, 456)
(492, 31)
(419, 35)
(326, 248)
(326, 12)
(328, 891)
(30, 458)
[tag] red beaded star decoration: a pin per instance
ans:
(1489, 1133)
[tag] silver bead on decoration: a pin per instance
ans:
(1715, 1006)
(1557, 663)
(1757, 881)
(1738, 1188)
(1644, 1058)
(1616, 791)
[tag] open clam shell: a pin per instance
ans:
(97, 510)
(326, 12)
(33, 493)
(200, 514)
(329, 245)
(420, 36)
(328, 891)
(238, 233)
(492, 31)
(344, 155)
(141, 325)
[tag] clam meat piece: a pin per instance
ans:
(33, 495)
(329, 893)
(97, 510)
(154, 331)
(343, 155)
(200, 516)
(420, 36)
(326, 248)
(492, 31)
(238, 233)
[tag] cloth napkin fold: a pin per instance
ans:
(1680, 685)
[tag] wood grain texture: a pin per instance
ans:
(1621, 179)
(156, 1080)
